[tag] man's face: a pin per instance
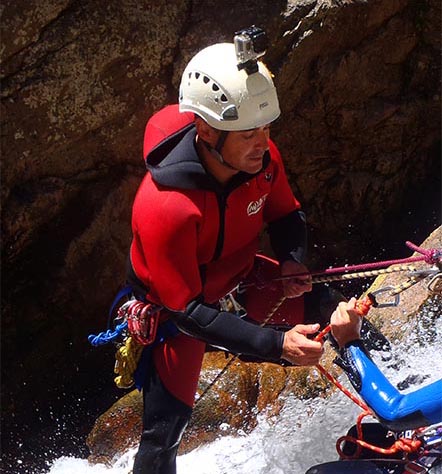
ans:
(244, 150)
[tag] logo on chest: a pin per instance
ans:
(255, 206)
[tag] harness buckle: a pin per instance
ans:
(230, 304)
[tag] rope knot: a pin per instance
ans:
(431, 256)
(434, 257)
(407, 445)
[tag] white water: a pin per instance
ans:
(304, 433)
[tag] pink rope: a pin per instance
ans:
(430, 256)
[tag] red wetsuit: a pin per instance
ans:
(194, 241)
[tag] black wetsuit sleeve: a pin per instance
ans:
(229, 331)
(288, 236)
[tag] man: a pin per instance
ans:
(196, 222)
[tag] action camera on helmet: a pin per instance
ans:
(250, 44)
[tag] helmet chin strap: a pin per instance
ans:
(216, 152)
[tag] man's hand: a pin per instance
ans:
(295, 287)
(346, 323)
(300, 350)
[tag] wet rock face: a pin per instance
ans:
(226, 405)
(360, 98)
(355, 106)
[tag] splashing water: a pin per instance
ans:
(305, 432)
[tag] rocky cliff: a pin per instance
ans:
(359, 84)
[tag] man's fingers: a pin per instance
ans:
(296, 287)
(307, 328)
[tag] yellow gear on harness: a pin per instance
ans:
(126, 361)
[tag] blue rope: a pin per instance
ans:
(111, 335)
(107, 336)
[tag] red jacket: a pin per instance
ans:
(191, 237)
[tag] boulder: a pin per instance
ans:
(227, 405)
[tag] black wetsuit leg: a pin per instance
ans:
(164, 420)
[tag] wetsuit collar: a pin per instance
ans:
(181, 168)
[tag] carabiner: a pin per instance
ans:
(423, 273)
(435, 284)
(385, 304)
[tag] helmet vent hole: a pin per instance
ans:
(215, 88)
(224, 98)
(197, 75)
(206, 79)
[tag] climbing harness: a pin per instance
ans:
(136, 327)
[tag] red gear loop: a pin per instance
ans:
(142, 320)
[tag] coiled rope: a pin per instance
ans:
(404, 445)
(126, 362)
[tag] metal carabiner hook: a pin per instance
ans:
(435, 284)
(384, 304)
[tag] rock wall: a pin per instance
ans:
(360, 95)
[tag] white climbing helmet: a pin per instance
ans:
(227, 98)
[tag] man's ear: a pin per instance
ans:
(206, 132)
